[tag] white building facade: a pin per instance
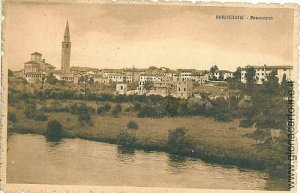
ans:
(262, 72)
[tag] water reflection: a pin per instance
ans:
(177, 163)
(125, 154)
(276, 185)
(53, 146)
(82, 162)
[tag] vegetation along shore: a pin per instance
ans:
(246, 129)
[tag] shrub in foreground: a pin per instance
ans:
(30, 111)
(126, 139)
(178, 139)
(132, 125)
(246, 123)
(116, 110)
(84, 118)
(40, 116)
(54, 131)
(104, 109)
(12, 117)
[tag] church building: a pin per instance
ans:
(36, 69)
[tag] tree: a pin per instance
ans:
(152, 68)
(12, 117)
(126, 139)
(51, 79)
(271, 84)
(268, 116)
(54, 131)
(237, 74)
(250, 78)
(103, 109)
(178, 139)
(62, 82)
(221, 76)
(133, 85)
(171, 105)
(213, 69)
(84, 118)
(10, 73)
(235, 81)
(91, 80)
(148, 85)
(40, 116)
(284, 86)
(116, 110)
(30, 110)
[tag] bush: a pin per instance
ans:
(30, 111)
(222, 117)
(150, 111)
(84, 118)
(132, 125)
(104, 109)
(40, 116)
(80, 108)
(137, 106)
(12, 117)
(126, 139)
(54, 131)
(178, 139)
(116, 110)
(246, 123)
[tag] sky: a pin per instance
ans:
(123, 35)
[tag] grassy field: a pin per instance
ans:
(224, 141)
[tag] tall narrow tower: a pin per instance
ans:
(66, 51)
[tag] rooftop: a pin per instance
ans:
(270, 67)
(36, 53)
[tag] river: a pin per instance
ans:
(31, 159)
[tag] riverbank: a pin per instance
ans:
(213, 141)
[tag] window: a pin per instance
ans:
(179, 89)
(184, 89)
(121, 87)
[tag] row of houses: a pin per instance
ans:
(180, 89)
(164, 81)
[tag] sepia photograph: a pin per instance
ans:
(168, 95)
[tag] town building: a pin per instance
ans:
(223, 74)
(184, 89)
(67, 77)
(121, 88)
(36, 69)
(149, 78)
(262, 72)
(201, 79)
(185, 74)
(101, 80)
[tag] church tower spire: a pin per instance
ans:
(67, 33)
(66, 51)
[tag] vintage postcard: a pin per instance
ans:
(102, 96)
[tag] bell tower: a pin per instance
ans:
(66, 51)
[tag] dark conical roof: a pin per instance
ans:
(67, 33)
